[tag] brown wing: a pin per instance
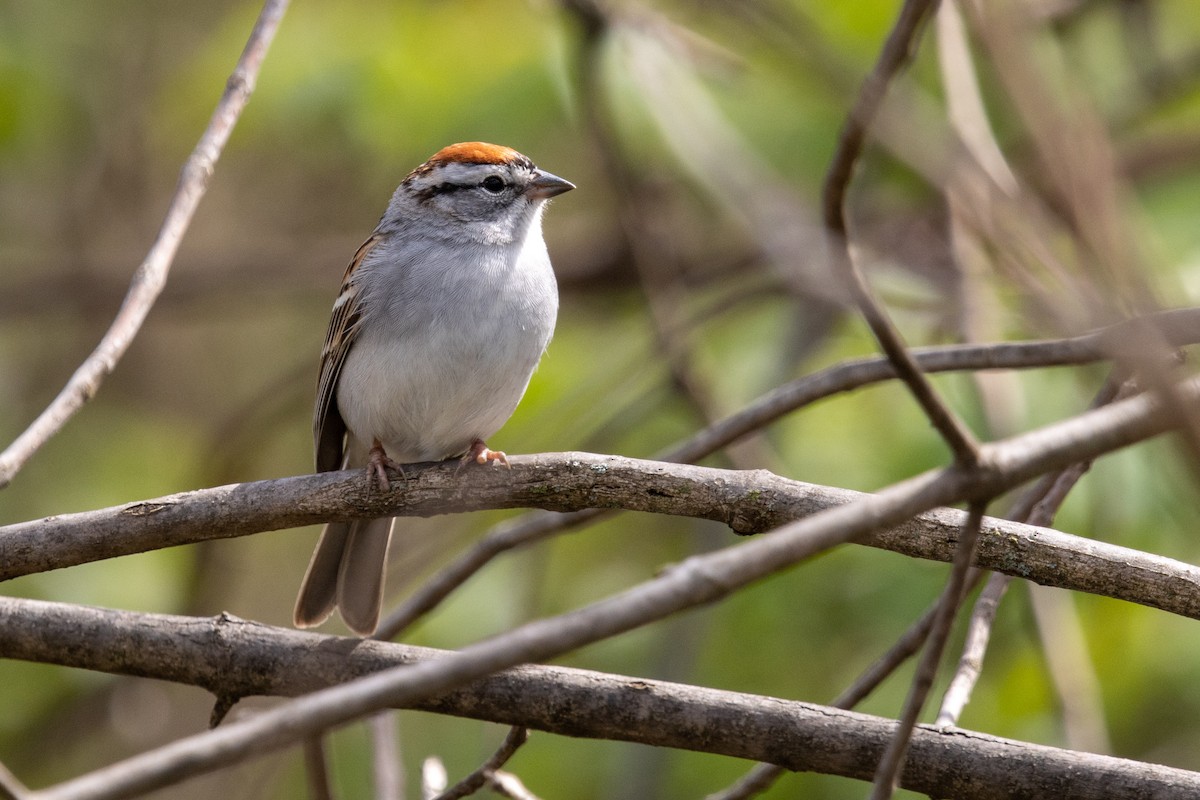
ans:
(329, 429)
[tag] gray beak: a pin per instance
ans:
(545, 185)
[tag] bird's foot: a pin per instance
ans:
(480, 454)
(377, 466)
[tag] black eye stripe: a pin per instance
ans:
(493, 184)
(430, 192)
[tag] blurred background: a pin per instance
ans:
(692, 281)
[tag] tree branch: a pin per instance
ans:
(887, 773)
(517, 735)
(10, 787)
(748, 502)
(387, 768)
(234, 657)
(1178, 327)
(150, 278)
(896, 53)
(696, 581)
(316, 767)
(1038, 507)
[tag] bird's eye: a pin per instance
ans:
(494, 184)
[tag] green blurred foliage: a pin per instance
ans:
(100, 104)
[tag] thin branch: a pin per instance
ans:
(506, 536)
(11, 787)
(757, 780)
(1071, 671)
(912, 639)
(1179, 327)
(887, 775)
(388, 769)
(970, 663)
(896, 53)
(247, 658)
(908, 645)
(477, 779)
(150, 278)
(1039, 506)
(316, 768)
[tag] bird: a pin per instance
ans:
(443, 315)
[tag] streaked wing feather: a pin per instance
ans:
(329, 429)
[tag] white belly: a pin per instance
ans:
(431, 378)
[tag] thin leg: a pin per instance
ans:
(378, 463)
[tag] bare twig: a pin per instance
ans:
(964, 100)
(388, 769)
(1071, 670)
(888, 774)
(502, 538)
(970, 663)
(912, 639)
(11, 787)
(1178, 327)
(249, 658)
(480, 777)
(1039, 506)
(316, 768)
(760, 778)
(151, 276)
(896, 53)
(905, 647)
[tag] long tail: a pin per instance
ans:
(346, 572)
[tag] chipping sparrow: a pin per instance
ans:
(442, 317)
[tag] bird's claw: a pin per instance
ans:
(377, 467)
(480, 454)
